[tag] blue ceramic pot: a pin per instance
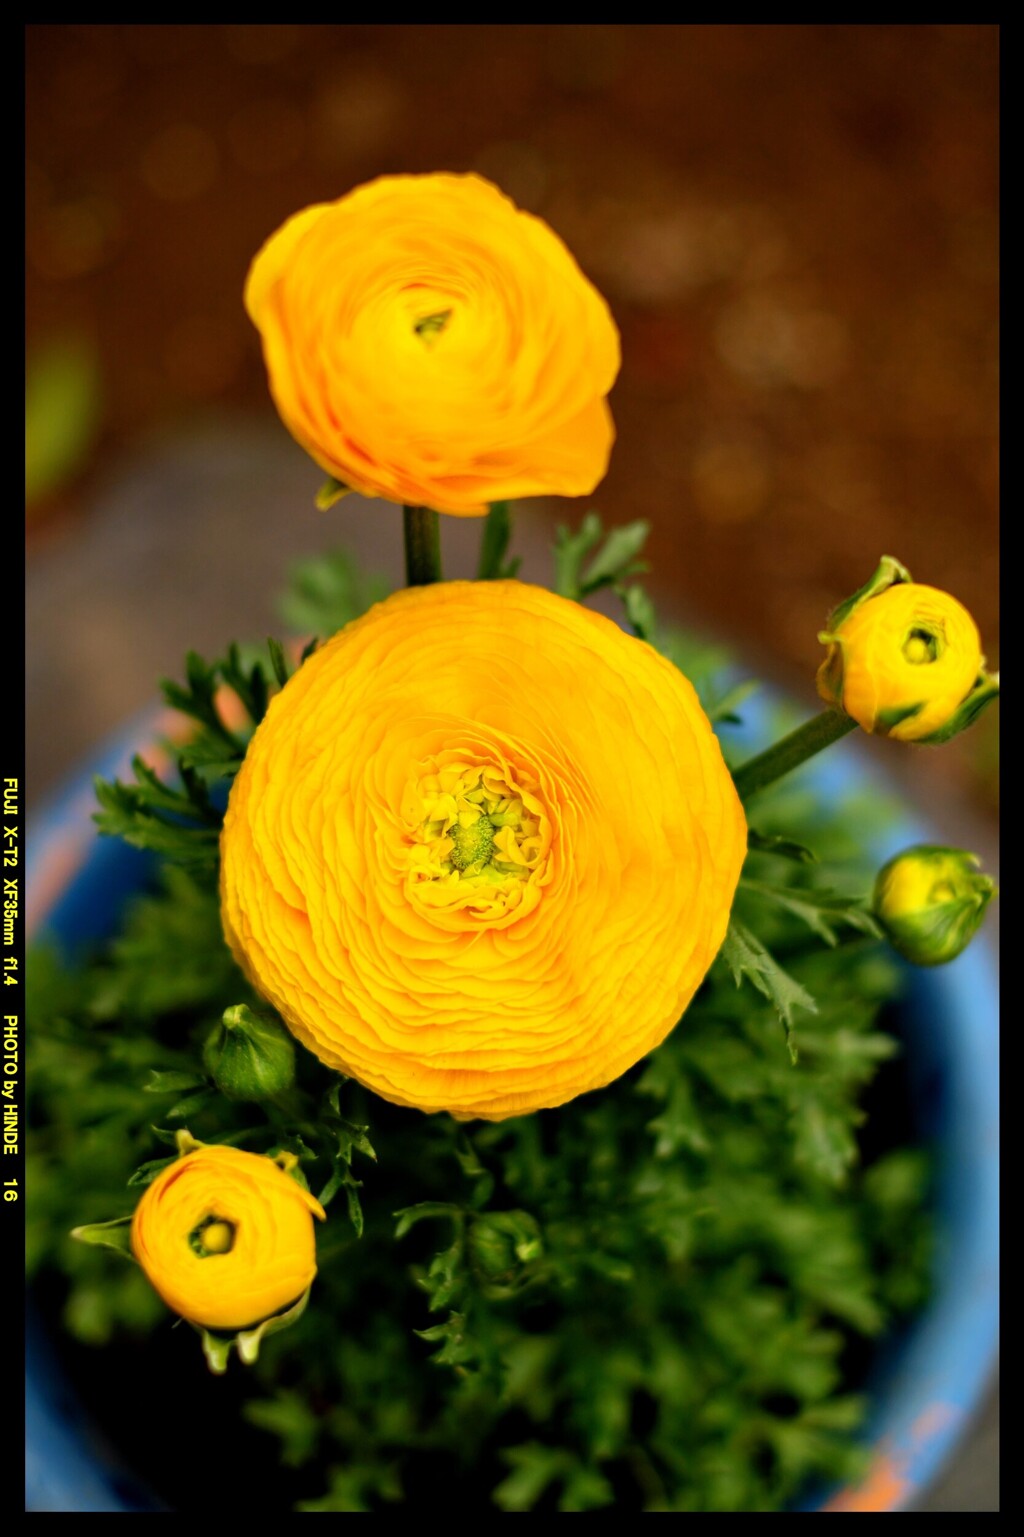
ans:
(925, 1383)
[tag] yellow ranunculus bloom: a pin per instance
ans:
(428, 342)
(226, 1237)
(902, 662)
(482, 850)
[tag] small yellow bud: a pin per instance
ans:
(931, 901)
(904, 660)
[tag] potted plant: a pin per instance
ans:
(480, 850)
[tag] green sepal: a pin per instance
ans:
(330, 492)
(217, 1347)
(985, 690)
(108, 1235)
(147, 1172)
(887, 720)
(890, 571)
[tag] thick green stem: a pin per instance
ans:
(422, 546)
(801, 744)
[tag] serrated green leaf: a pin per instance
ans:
(640, 613)
(616, 559)
(822, 910)
(748, 960)
(408, 1216)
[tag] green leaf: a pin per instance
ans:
(327, 591)
(171, 1082)
(640, 612)
(408, 1216)
(724, 710)
(822, 911)
(126, 814)
(277, 660)
(288, 1416)
(748, 960)
(534, 1467)
(146, 1173)
(456, 1348)
(824, 1140)
(571, 550)
(615, 560)
(785, 848)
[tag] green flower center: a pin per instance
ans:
(472, 845)
(214, 1235)
(476, 836)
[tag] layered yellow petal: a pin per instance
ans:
(482, 850)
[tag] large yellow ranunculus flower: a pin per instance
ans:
(428, 342)
(482, 849)
(902, 662)
(226, 1237)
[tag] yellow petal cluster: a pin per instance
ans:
(428, 342)
(911, 648)
(226, 1237)
(482, 850)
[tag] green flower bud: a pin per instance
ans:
(930, 901)
(501, 1242)
(249, 1056)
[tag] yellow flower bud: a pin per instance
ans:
(931, 901)
(226, 1237)
(904, 660)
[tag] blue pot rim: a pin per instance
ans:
(929, 1380)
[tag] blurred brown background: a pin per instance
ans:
(796, 227)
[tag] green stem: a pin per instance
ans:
(801, 744)
(422, 546)
(497, 532)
